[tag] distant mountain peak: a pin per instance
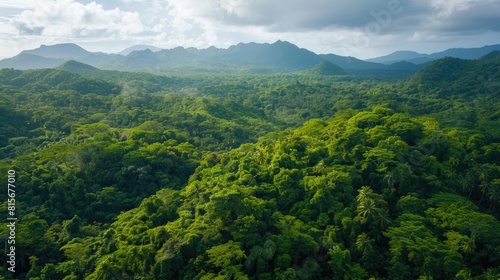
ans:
(128, 50)
(397, 56)
(282, 42)
(59, 51)
(141, 52)
(65, 45)
(418, 58)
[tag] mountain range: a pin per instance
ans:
(419, 58)
(280, 56)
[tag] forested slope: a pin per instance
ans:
(297, 176)
(366, 194)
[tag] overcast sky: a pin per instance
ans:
(360, 28)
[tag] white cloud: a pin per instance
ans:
(134, 1)
(19, 4)
(446, 8)
(283, 16)
(66, 18)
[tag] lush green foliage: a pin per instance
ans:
(296, 176)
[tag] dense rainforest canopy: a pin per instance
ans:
(308, 175)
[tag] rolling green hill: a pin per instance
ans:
(327, 68)
(37, 81)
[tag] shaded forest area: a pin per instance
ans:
(248, 176)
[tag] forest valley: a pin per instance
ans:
(300, 175)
